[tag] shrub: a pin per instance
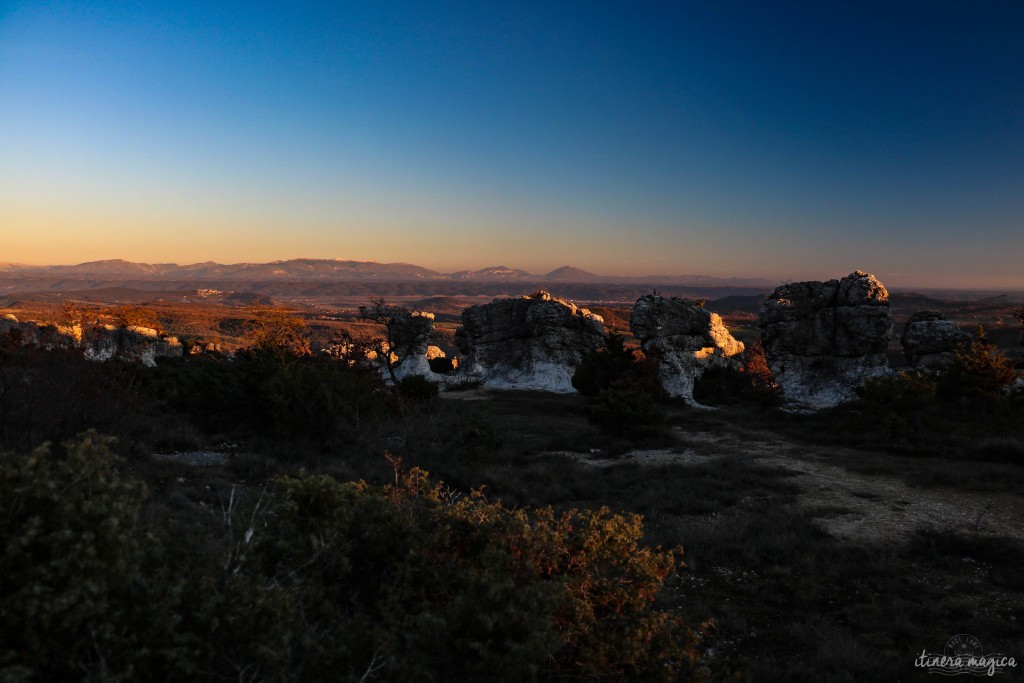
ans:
(624, 387)
(602, 366)
(126, 315)
(322, 581)
(70, 557)
(280, 333)
(758, 373)
(55, 395)
(898, 401)
(476, 441)
(752, 382)
(417, 388)
(442, 365)
(439, 586)
(903, 392)
(978, 370)
(322, 397)
(624, 409)
(266, 392)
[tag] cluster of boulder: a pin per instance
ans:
(99, 342)
(537, 341)
(822, 340)
(530, 342)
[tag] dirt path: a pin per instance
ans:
(853, 505)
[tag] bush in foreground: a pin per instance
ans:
(320, 580)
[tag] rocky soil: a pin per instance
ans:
(854, 505)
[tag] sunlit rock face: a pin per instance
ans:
(532, 342)
(136, 344)
(929, 340)
(823, 339)
(44, 335)
(684, 338)
(13, 331)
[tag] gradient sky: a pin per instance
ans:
(789, 140)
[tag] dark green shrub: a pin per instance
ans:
(721, 384)
(442, 365)
(437, 586)
(71, 550)
(624, 409)
(902, 393)
(54, 395)
(752, 382)
(267, 392)
(624, 387)
(900, 403)
(321, 581)
(978, 370)
(477, 441)
(602, 366)
(417, 388)
(323, 397)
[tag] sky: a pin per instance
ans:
(789, 140)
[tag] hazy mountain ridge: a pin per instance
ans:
(495, 273)
(340, 269)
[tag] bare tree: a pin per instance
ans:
(404, 333)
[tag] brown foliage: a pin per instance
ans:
(278, 331)
(128, 315)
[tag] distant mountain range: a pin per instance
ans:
(342, 270)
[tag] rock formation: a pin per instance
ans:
(823, 339)
(133, 343)
(15, 332)
(411, 334)
(532, 342)
(685, 338)
(929, 340)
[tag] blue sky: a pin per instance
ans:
(787, 140)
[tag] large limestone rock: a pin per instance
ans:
(685, 338)
(823, 339)
(136, 344)
(929, 340)
(44, 335)
(412, 337)
(13, 331)
(532, 342)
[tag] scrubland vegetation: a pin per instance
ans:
(361, 532)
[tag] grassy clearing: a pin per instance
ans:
(789, 601)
